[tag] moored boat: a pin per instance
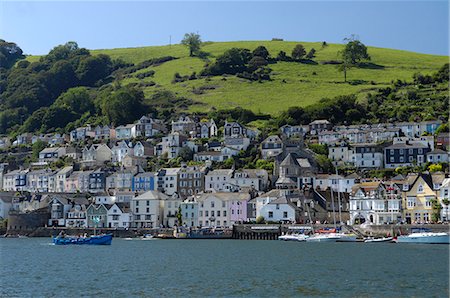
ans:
(294, 237)
(328, 237)
(105, 239)
(375, 240)
(424, 237)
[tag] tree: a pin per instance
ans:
(256, 62)
(261, 51)
(282, 56)
(93, 68)
(354, 52)
(231, 61)
(37, 147)
(186, 154)
(298, 52)
(311, 54)
(193, 42)
(124, 105)
(76, 100)
(9, 54)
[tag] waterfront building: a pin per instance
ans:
(222, 209)
(119, 216)
(375, 203)
(147, 209)
(97, 216)
(189, 213)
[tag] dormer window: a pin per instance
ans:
(420, 188)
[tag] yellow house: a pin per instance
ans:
(418, 194)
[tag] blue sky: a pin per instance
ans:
(36, 26)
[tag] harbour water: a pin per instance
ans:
(33, 267)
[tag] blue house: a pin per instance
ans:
(143, 182)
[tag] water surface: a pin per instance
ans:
(229, 268)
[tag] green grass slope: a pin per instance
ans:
(293, 84)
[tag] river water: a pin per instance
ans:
(34, 267)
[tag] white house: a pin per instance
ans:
(222, 209)
(376, 203)
(119, 216)
(147, 209)
(437, 156)
(280, 210)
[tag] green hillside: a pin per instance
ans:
(293, 83)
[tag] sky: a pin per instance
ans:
(38, 26)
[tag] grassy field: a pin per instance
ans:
(293, 84)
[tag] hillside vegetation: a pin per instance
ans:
(262, 83)
(292, 84)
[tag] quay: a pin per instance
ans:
(239, 232)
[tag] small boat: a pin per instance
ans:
(345, 237)
(90, 240)
(294, 237)
(374, 240)
(147, 237)
(424, 236)
(328, 237)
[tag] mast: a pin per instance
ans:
(339, 200)
(332, 206)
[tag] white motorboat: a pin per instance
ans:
(147, 237)
(325, 237)
(293, 237)
(346, 237)
(424, 237)
(374, 240)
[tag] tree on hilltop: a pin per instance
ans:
(354, 52)
(193, 42)
(298, 52)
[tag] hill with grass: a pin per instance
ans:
(293, 83)
(167, 81)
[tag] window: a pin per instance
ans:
(206, 213)
(232, 211)
(200, 222)
(148, 210)
(417, 217)
(224, 213)
(278, 206)
(212, 204)
(212, 213)
(218, 213)
(137, 210)
(285, 214)
(115, 217)
(137, 203)
(201, 213)
(420, 151)
(410, 151)
(426, 217)
(411, 202)
(192, 214)
(410, 158)
(223, 204)
(428, 202)
(148, 203)
(148, 217)
(420, 188)
(270, 214)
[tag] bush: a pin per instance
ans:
(260, 220)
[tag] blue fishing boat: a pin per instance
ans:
(92, 240)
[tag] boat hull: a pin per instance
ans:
(437, 238)
(323, 238)
(375, 240)
(93, 240)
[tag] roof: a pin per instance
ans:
(352, 176)
(152, 195)
(320, 121)
(404, 145)
(437, 151)
(272, 193)
(303, 162)
(225, 196)
(227, 172)
(289, 160)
